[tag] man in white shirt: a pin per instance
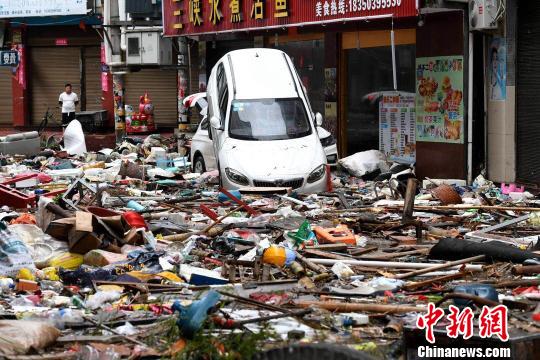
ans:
(68, 100)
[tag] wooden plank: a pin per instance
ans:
(327, 255)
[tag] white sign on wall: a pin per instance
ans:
(29, 8)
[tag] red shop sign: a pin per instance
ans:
(192, 17)
(61, 42)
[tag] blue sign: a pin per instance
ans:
(9, 58)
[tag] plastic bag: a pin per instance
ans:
(19, 336)
(343, 271)
(14, 254)
(74, 138)
(42, 247)
(364, 162)
(101, 297)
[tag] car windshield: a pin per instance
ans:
(268, 119)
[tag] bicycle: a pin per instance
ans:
(53, 141)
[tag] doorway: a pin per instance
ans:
(366, 75)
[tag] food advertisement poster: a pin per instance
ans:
(397, 127)
(439, 99)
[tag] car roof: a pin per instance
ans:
(261, 73)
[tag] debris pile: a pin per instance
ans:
(125, 253)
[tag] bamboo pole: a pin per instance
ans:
(355, 307)
(391, 264)
(184, 237)
(439, 267)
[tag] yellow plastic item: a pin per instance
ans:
(275, 255)
(67, 261)
(96, 165)
(145, 277)
(50, 273)
(26, 274)
(170, 276)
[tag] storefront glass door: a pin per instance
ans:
(367, 75)
(308, 58)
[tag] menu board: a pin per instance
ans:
(439, 99)
(397, 126)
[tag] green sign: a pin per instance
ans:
(439, 99)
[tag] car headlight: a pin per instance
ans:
(236, 176)
(317, 174)
(327, 141)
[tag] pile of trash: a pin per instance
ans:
(125, 253)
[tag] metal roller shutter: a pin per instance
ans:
(528, 88)
(161, 86)
(51, 69)
(6, 97)
(92, 77)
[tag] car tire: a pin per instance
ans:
(198, 164)
(323, 351)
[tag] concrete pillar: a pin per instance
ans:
(501, 114)
(183, 63)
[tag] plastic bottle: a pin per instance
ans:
(132, 204)
(88, 353)
(190, 245)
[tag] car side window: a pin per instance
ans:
(223, 102)
(204, 124)
(223, 91)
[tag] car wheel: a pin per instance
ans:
(198, 165)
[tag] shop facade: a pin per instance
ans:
(352, 56)
(55, 45)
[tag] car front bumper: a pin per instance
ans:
(306, 188)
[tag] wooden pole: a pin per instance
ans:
(408, 205)
(439, 267)
(310, 265)
(184, 237)
(355, 307)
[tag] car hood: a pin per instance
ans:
(271, 160)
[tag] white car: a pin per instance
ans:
(261, 123)
(202, 152)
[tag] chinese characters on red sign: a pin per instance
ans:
(491, 322)
(190, 17)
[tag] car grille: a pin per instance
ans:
(293, 183)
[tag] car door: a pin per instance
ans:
(206, 146)
(218, 103)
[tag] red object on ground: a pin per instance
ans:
(329, 185)
(340, 234)
(208, 212)
(135, 220)
(239, 202)
(25, 218)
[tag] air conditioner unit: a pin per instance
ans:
(482, 14)
(148, 48)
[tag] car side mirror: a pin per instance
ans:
(215, 123)
(318, 119)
